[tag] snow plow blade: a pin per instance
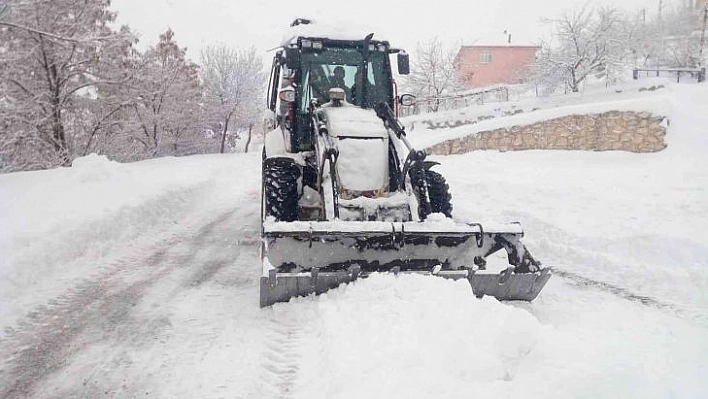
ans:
(303, 258)
(505, 286)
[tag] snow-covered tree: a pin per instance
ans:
(681, 37)
(54, 56)
(433, 72)
(669, 39)
(164, 115)
(588, 41)
(234, 83)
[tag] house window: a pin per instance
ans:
(485, 56)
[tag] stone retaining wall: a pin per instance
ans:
(614, 130)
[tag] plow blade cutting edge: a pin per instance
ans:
(304, 258)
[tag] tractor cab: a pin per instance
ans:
(307, 67)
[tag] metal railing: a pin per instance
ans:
(460, 100)
(698, 74)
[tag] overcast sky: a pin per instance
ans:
(260, 23)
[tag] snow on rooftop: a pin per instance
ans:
(501, 40)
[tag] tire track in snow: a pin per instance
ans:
(201, 257)
(624, 293)
(53, 334)
(281, 357)
(583, 281)
(94, 311)
(89, 249)
(555, 235)
(204, 240)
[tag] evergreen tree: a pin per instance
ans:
(55, 57)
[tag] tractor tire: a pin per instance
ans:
(418, 183)
(438, 193)
(280, 188)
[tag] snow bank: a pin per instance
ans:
(430, 333)
(425, 337)
(52, 218)
(91, 189)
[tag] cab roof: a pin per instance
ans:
(311, 29)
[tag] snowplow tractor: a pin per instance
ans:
(345, 194)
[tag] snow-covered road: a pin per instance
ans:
(116, 333)
(142, 280)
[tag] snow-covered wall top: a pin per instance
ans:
(471, 120)
(614, 130)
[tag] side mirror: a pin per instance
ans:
(406, 100)
(287, 94)
(292, 58)
(403, 64)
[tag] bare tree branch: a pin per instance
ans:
(233, 88)
(433, 74)
(57, 37)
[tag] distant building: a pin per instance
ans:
(495, 62)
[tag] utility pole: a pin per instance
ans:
(662, 32)
(703, 34)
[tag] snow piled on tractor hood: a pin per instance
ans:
(352, 121)
(362, 141)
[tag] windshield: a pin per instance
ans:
(341, 67)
